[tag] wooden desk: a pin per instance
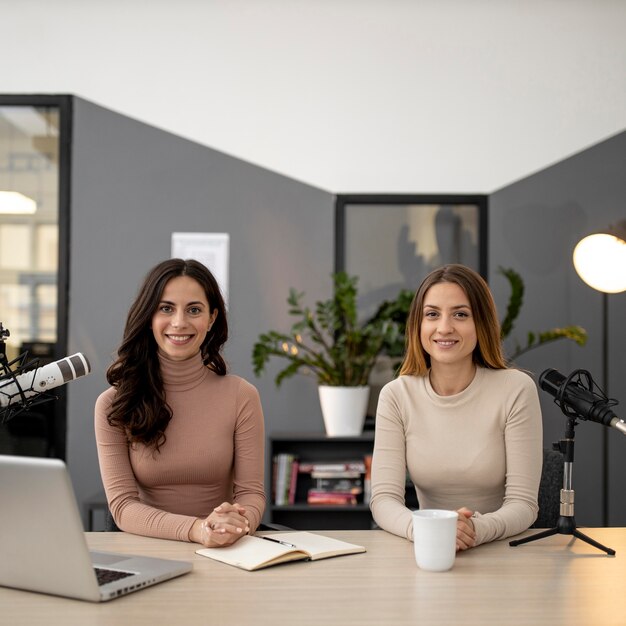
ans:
(552, 581)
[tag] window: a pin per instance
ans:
(34, 256)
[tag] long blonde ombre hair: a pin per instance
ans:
(488, 352)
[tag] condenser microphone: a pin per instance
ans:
(17, 390)
(571, 394)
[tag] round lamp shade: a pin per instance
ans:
(600, 261)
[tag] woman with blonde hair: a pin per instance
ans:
(465, 426)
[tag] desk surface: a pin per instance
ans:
(552, 581)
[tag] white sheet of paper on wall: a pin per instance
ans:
(211, 249)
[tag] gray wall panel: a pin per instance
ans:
(132, 185)
(534, 225)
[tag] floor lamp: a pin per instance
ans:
(600, 260)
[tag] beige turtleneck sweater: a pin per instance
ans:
(480, 449)
(214, 453)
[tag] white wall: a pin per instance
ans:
(347, 95)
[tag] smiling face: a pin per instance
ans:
(182, 319)
(448, 332)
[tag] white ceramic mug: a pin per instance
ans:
(434, 539)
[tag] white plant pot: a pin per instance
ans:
(343, 409)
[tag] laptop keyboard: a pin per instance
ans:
(105, 576)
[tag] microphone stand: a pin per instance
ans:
(5, 370)
(9, 370)
(566, 524)
(4, 363)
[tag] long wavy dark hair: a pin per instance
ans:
(488, 351)
(139, 406)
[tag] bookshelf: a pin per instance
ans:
(317, 447)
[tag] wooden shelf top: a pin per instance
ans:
(367, 435)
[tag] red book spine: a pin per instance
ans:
(294, 482)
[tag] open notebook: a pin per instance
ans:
(252, 553)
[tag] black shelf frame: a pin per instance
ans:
(319, 447)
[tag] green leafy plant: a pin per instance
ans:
(533, 339)
(398, 311)
(327, 341)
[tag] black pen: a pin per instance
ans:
(282, 543)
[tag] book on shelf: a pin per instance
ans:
(356, 465)
(285, 476)
(293, 483)
(353, 485)
(338, 474)
(253, 553)
(367, 479)
(331, 497)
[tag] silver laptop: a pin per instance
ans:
(42, 544)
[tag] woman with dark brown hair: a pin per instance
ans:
(180, 442)
(467, 428)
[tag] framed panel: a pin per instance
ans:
(391, 242)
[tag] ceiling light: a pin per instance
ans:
(16, 203)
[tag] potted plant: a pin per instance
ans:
(330, 343)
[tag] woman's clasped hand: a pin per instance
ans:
(222, 527)
(465, 533)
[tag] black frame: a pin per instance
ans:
(64, 105)
(343, 200)
(342, 203)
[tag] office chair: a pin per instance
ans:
(111, 526)
(550, 486)
(109, 523)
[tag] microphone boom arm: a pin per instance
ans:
(23, 383)
(9, 371)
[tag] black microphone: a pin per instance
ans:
(574, 398)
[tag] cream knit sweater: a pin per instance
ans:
(480, 449)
